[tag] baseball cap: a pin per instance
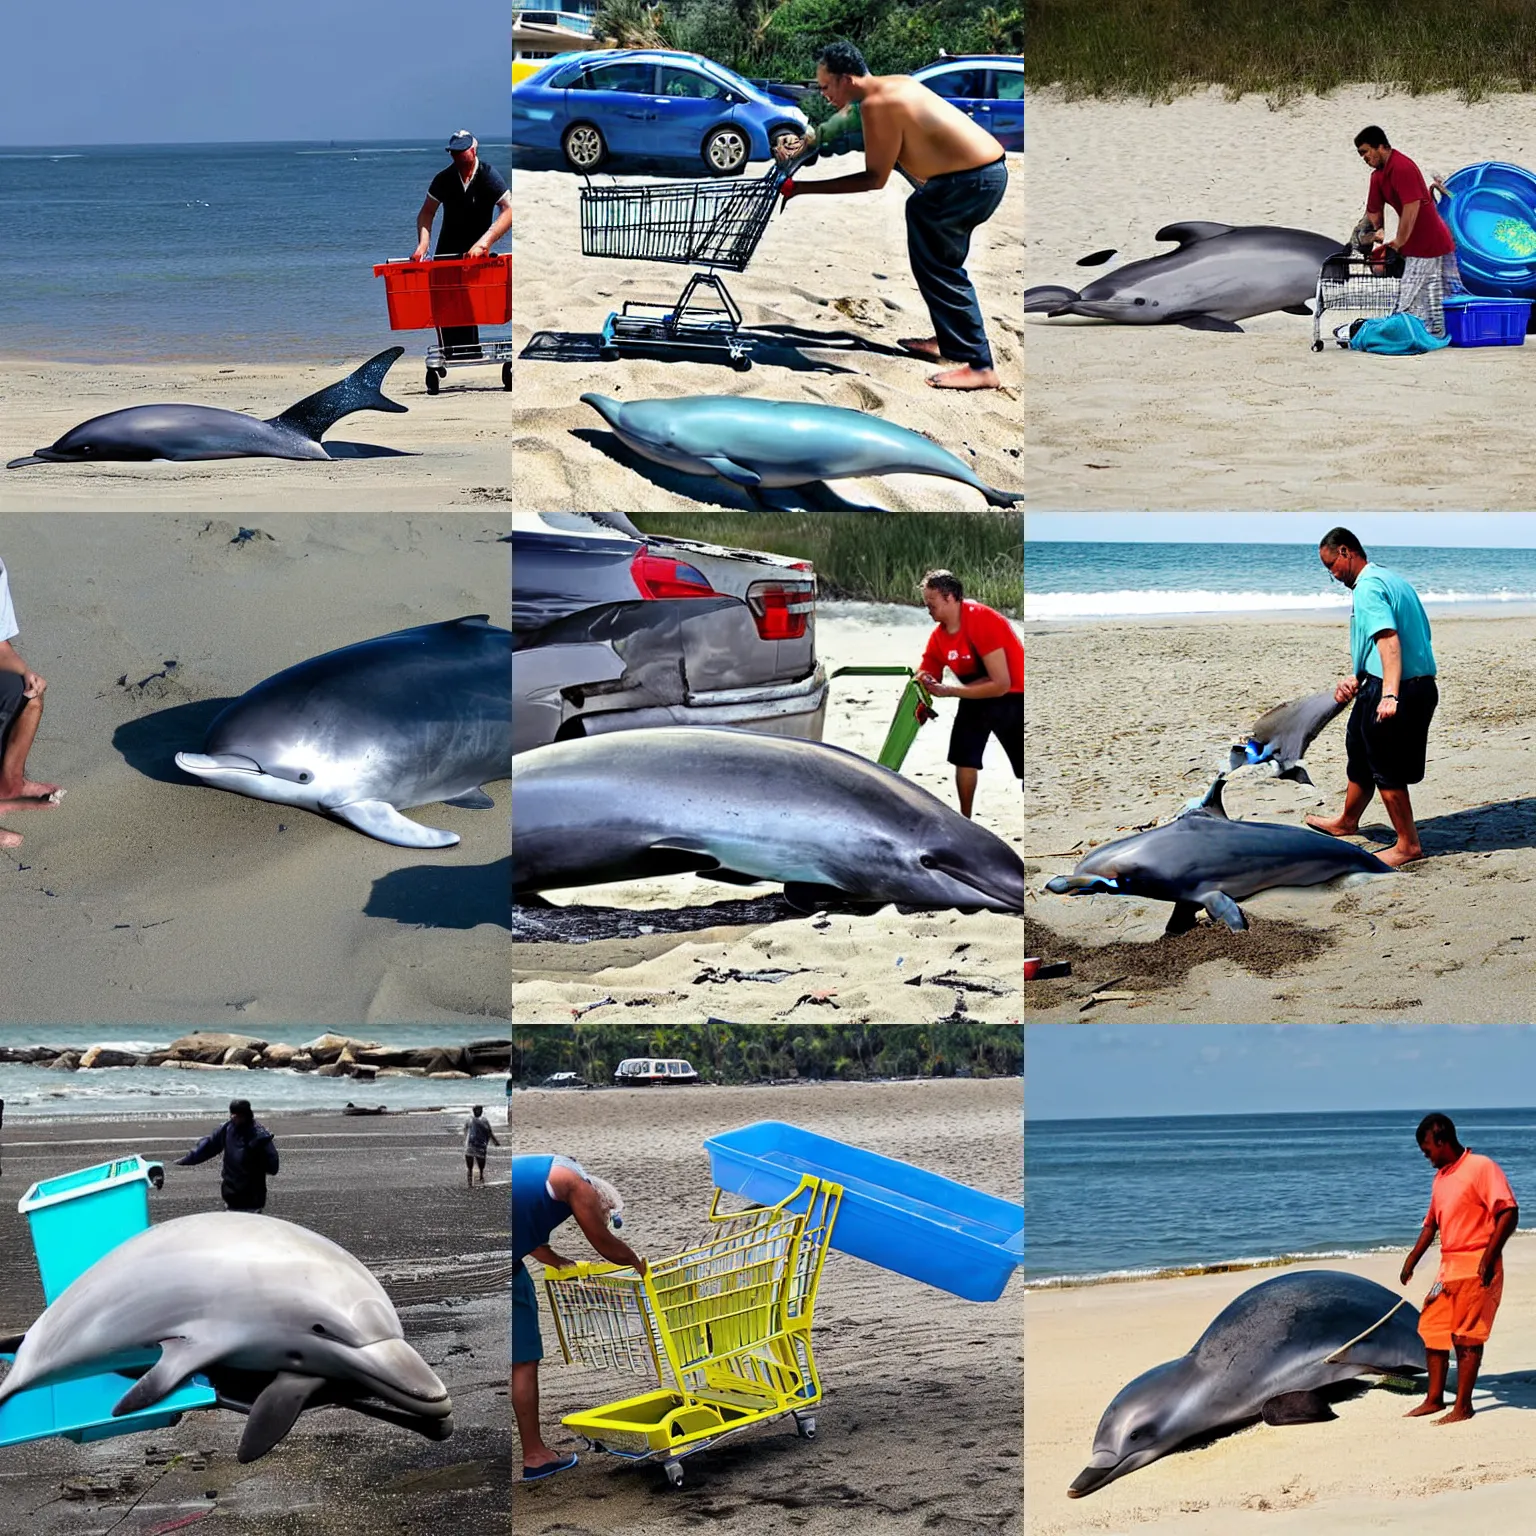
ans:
(460, 141)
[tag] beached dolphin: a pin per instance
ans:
(1265, 1356)
(1200, 859)
(1219, 274)
(741, 806)
(766, 444)
(359, 734)
(1282, 735)
(188, 432)
(248, 1299)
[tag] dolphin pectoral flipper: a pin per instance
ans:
(381, 820)
(11, 1342)
(1096, 258)
(1183, 917)
(1297, 309)
(737, 474)
(275, 1412)
(472, 800)
(1208, 323)
(179, 1359)
(359, 391)
(1309, 1407)
(1223, 909)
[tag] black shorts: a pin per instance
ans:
(11, 686)
(977, 719)
(1389, 754)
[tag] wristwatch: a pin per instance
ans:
(1389, 695)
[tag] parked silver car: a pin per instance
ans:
(614, 629)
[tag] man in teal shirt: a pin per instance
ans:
(1394, 691)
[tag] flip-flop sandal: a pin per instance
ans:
(534, 1474)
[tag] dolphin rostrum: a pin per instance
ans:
(248, 1300)
(1273, 1353)
(1201, 859)
(740, 806)
(1282, 735)
(188, 432)
(411, 718)
(764, 444)
(1218, 275)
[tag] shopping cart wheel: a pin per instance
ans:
(805, 1424)
(506, 375)
(674, 1471)
(431, 381)
(1317, 346)
(741, 364)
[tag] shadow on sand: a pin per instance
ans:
(150, 743)
(445, 896)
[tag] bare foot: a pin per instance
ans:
(28, 790)
(1397, 855)
(965, 378)
(10, 839)
(32, 803)
(1428, 1406)
(1456, 1415)
(1334, 826)
(922, 346)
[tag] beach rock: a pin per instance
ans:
(383, 1056)
(328, 1047)
(279, 1055)
(302, 1061)
(28, 1055)
(65, 1061)
(447, 1074)
(105, 1056)
(241, 1056)
(333, 1069)
(489, 1055)
(400, 1072)
(177, 1064)
(211, 1047)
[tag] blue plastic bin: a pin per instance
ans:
(1478, 322)
(902, 1218)
(1491, 214)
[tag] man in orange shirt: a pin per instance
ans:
(984, 652)
(1473, 1209)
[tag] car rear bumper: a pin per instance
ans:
(791, 709)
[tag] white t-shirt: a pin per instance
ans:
(8, 628)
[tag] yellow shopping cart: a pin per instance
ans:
(725, 1329)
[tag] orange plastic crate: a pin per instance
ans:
(459, 290)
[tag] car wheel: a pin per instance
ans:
(780, 135)
(584, 147)
(726, 150)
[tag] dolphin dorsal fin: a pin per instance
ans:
(1211, 804)
(1191, 230)
(361, 390)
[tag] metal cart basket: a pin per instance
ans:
(725, 1328)
(1349, 285)
(688, 223)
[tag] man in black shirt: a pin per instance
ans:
(250, 1157)
(477, 212)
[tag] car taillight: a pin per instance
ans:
(780, 612)
(660, 576)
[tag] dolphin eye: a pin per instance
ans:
(304, 778)
(1141, 301)
(319, 1328)
(928, 861)
(1141, 1433)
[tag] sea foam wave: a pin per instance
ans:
(1132, 603)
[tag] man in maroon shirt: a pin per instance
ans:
(1421, 238)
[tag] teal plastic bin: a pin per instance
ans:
(76, 1219)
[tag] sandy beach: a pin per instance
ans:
(1159, 416)
(1368, 1471)
(440, 1252)
(1446, 940)
(919, 1427)
(865, 964)
(450, 451)
(148, 897)
(827, 264)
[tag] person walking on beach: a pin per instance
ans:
(21, 712)
(960, 174)
(1473, 1209)
(477, 212)
(1394, 692)
(546, 1192)
(250, 1158)
(477, 1135)
(984, 652)
(1421, 238)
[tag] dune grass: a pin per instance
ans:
(1159, 49)
(876, 558)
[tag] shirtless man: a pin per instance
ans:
(21, 708)
(959, 172)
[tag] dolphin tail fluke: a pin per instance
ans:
(1049, 299)
(997, 498)
(361, 390)
(378, 818)
(1295, 772)
(275, 1412)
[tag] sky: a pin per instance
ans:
(207, 71)
(1089, 1071)
(1453, 530)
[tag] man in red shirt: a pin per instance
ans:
(1473, 1209)
(984, 652)
(1421, 237)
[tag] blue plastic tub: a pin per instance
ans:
(1477, 322)
(902, 1218)
(1491, 214)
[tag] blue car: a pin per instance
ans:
(652, 102)
(988, 88)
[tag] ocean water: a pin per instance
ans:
(1108, 580)
(1122, 1198)
(39, 1093)
(228, 252)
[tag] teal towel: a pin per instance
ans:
(1396, 336)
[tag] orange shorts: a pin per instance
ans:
(1460, 1310)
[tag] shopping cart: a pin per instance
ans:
(687, 223)
(725, 1328)
(1349, 284)
(450, 292)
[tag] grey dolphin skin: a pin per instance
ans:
(1201, 859)
(1219, 274)
(765, 444)
(739, 806)
(1267, 1355)
(419, 716)
(188, 432)
(249, 1297)
(1282, 735)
